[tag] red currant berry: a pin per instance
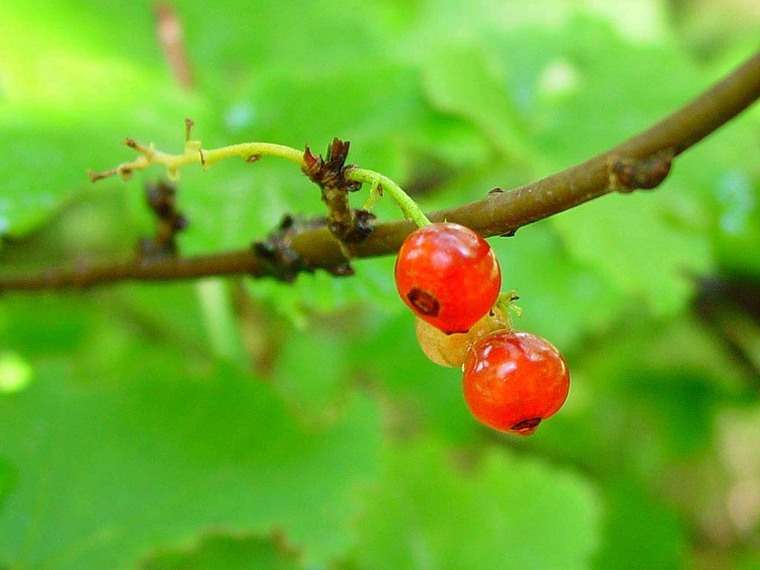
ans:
(448, 275)
(514, 380)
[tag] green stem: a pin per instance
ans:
(194, 154)
(253, 150)
(384, 184)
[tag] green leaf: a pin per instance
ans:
(420, 397)
(437, 509)
(228, 552)
(578, 103)
(69, 99)
(160, 453)
(639, 532)
(477, 91)
(738, 222)
(8, 479)
(316, 393)
(748, 560)
(638, 248)
(89, 227)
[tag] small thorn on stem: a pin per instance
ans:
(253, 158)
(95, 176)
(133, 144)
(188, 129)
(202, 157)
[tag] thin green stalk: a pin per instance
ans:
(252, 151)
(382, 184)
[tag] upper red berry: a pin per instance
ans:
(514, 380)
(448, 275)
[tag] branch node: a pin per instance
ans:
(361, 228)
(627, 174)
(285, 262)
(330, 170)
(347, 224)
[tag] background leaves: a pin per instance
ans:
(255, 424)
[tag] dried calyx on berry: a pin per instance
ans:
(451, 349)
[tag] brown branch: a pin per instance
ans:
(640, 162)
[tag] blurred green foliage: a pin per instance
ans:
(230, 424)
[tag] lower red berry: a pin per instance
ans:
(514, 380)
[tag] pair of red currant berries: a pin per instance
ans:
(450, 278)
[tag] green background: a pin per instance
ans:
(240, 424)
